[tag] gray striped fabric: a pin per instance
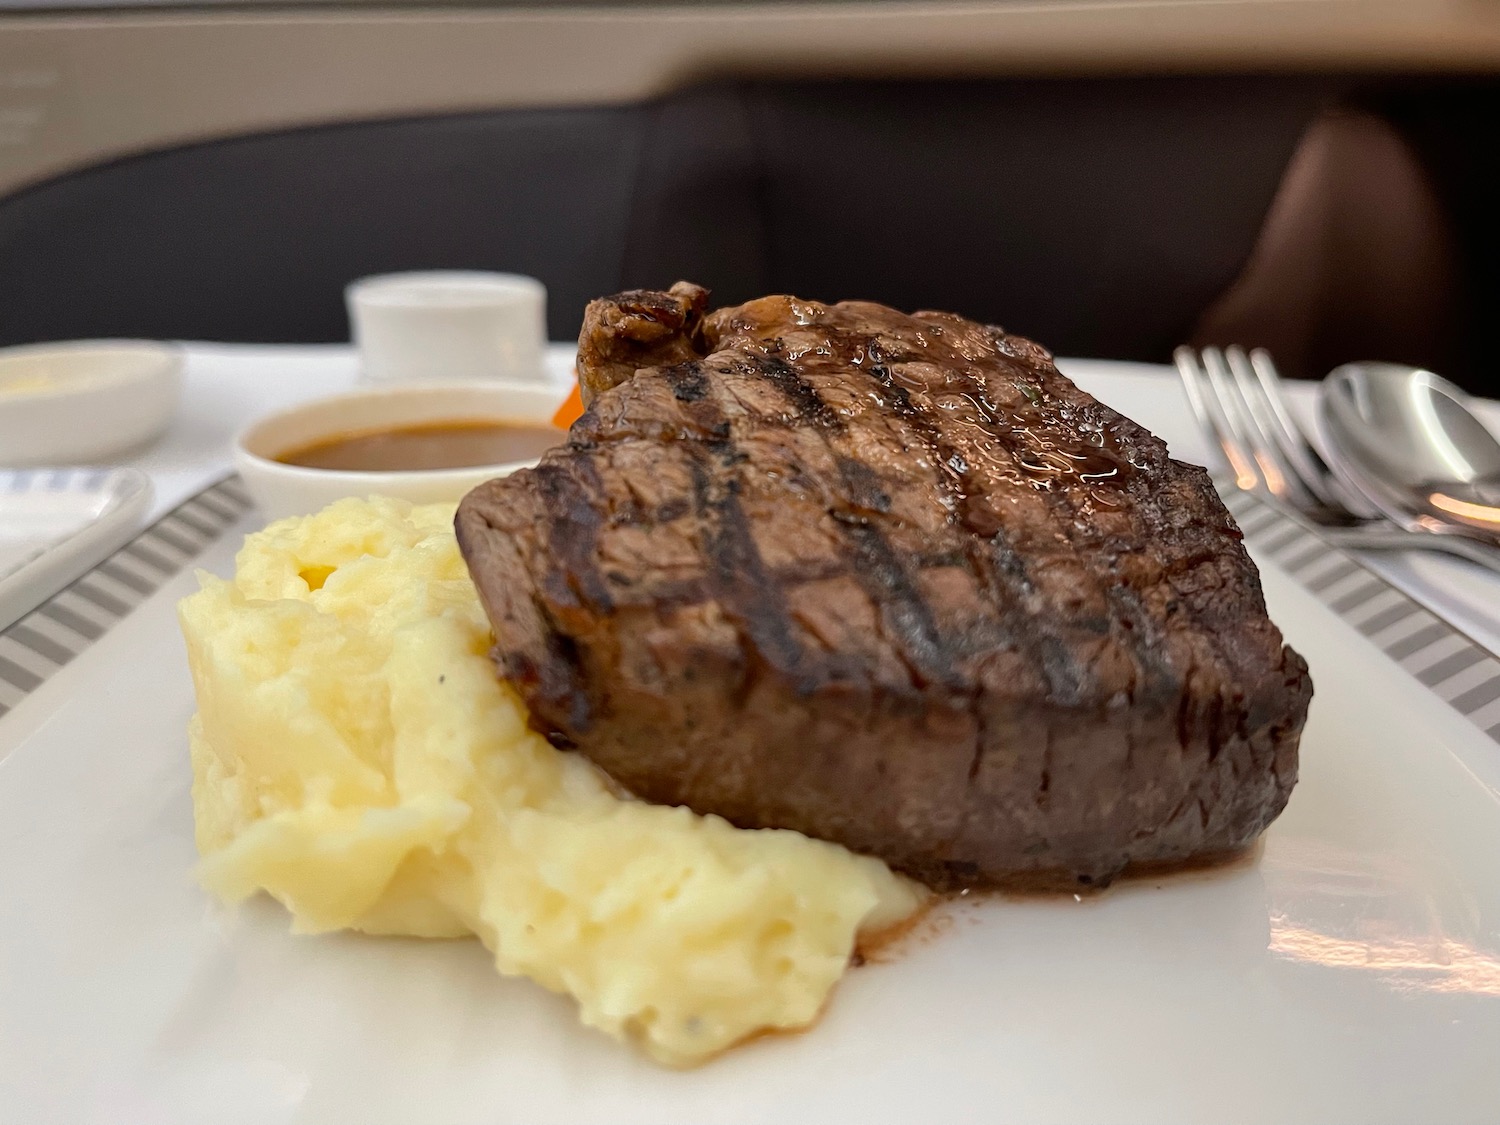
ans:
(1446, 661)
(1458, 669)
(70, 621)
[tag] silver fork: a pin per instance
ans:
(1239, 400)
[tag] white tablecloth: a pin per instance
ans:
(227, 386)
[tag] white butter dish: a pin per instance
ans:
(84, 401)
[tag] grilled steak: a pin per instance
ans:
(892, 581)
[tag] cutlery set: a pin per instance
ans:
(1405, 464)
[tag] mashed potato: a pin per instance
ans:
(355, 756)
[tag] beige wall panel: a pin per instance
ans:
(76, 89)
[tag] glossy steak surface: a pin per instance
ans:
(890, 580)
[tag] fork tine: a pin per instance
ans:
(1241, 423)
(1208, 408)
(1284, 479)
(1302, 453)
(1263, 381)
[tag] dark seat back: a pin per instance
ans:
(1100, 216)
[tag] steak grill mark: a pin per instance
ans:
(738, 577)
(881, 570)
(1126, 730)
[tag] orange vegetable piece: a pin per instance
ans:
(570, 411)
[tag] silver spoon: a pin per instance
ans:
(1407, 440)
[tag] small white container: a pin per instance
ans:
(85, 400)
(292, 490)
(449, 326)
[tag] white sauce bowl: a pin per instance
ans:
(85, 400)
(292, 490)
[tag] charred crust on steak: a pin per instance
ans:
(890, 580)
(639, 328)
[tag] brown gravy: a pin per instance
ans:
(431, 445)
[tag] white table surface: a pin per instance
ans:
(229, 385)
(1347, 975)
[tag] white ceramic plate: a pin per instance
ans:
(57, 523)
(1349, 973)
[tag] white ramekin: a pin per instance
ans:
(448, 326)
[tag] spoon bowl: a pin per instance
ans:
(1408, 440)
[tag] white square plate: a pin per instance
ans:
(1349, 971)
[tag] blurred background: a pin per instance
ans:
(1112, 177)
